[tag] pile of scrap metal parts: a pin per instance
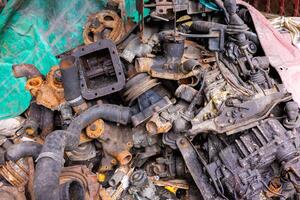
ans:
(183, 105)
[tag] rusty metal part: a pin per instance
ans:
(9, 192)
(191, 159)
(84, 176)
(193, 53)
(83, 152)
(283, 56)
(30, 178)
(80, 108)
(49, 92)
(138, 47)
(274, 188)
(148, 65)
(100, 69)
(157, 125)
(26, 70)
(116, 143)
(167, 167)
(165, 10)
(239, 117)
(142, 186)
(96, 129)
(150, 97)
(104, 195)
(166, 119)
(123, 185)
(103, 25)
(118, 175)
(185, 92)
(16, 173)
(177, 183)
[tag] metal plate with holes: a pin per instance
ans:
(100, 69)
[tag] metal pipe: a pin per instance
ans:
(25, 70)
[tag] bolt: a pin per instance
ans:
(182, 142)
(93, 127)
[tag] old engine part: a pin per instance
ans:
(83, 176)
(100, 69)
(169, 166)
(103, 25)
(240, 116)
(26, 70)
(242, 162)
(83, 152)
(116, 142)
(16, 173)
(118, 175)
(49, 92)
(142, 186)
(150, 96)
(170, 65)
(167, 119)
(139, 48)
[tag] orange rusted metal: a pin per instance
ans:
(16, 173)
(96, 129)
(49, 92)
(105, 24)
(274, 189)
(84, 176)
(157, 125)
(116, 142)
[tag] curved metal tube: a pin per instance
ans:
(25, 70)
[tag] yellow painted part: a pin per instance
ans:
(171, 189)
(101, 177)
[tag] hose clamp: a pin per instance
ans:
(76, 100)
(53, 156)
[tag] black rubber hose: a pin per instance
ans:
(47, 122)
(50, 160)
(25, 70)
(205, 26)
(109, 112)
(32, 122)
(70, 80)
(21, 150)
(49, 165)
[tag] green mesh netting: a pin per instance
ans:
(33, 32)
